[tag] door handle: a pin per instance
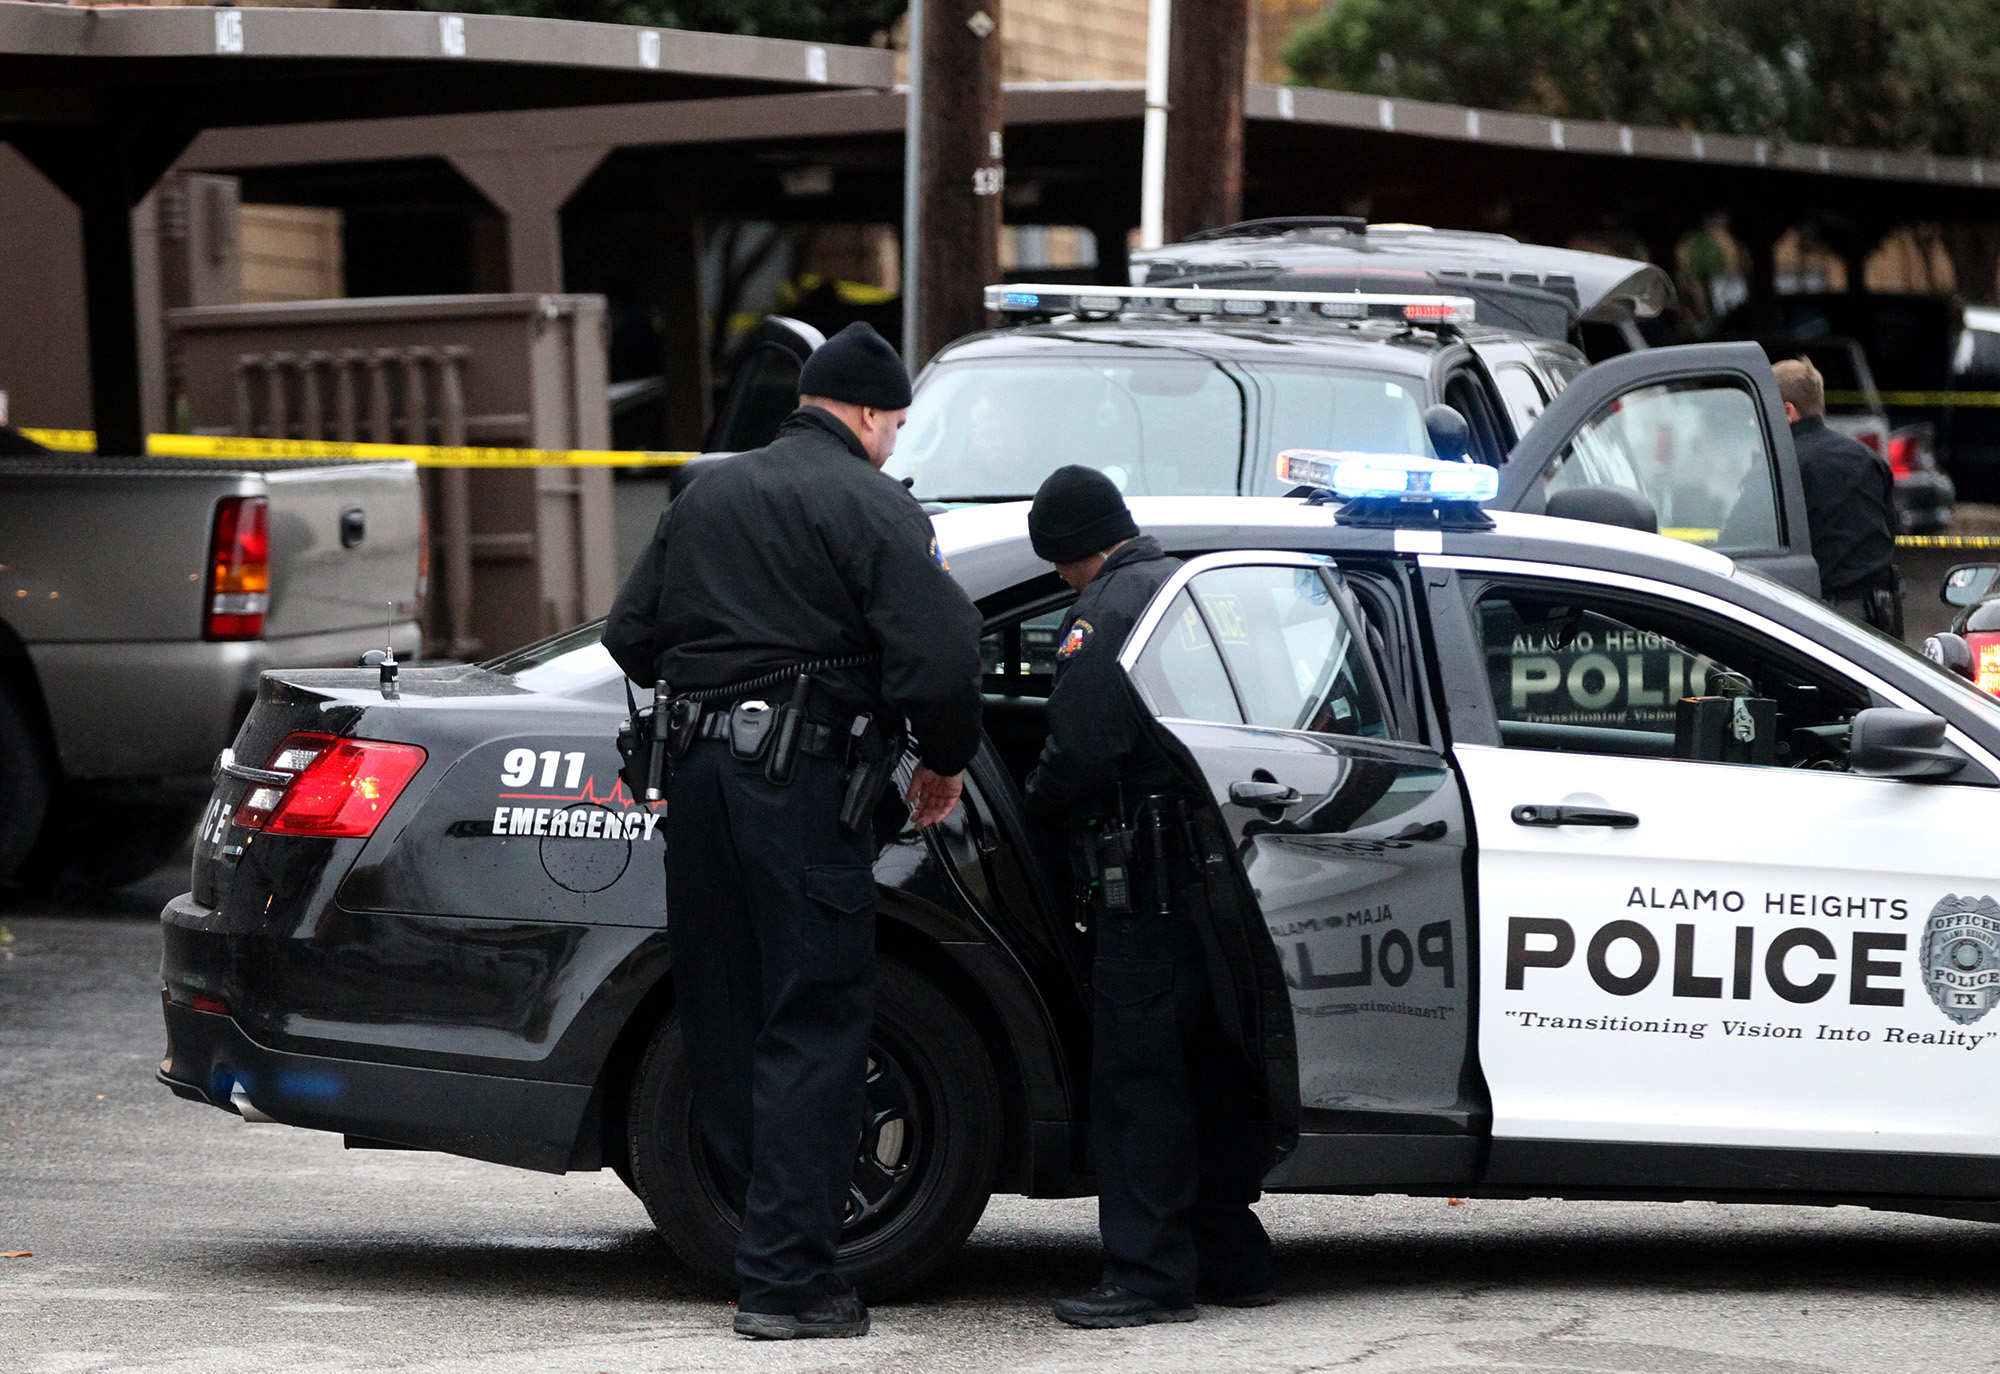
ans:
(1259, 793)
(1552, 816)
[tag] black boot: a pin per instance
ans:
(840, 1315)
(1108, 1305)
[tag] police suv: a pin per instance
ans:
(1541, 857)
(1341, 335)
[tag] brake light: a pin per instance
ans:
(239, 562)
(1985, 660)
(340, 788)
(1449, 311)
(1902, 455)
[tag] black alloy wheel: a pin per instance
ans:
(923, 1167)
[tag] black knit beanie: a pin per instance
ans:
(857, 366)
(1078, 512)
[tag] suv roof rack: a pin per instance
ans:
(1279, 224)
(1045, 301)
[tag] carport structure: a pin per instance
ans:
(104, 100)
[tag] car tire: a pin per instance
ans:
(937, 1115)
(95, 846)
(26, 778)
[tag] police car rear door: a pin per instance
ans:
(1707, 975)
(1349, 832)
(1699, 431)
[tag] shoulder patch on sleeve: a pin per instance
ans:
(1078, 636)
(938, 557)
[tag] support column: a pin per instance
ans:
(1205, 131)
(684, 345)
(530, 189)
(963, 173)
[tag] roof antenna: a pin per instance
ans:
(385, 659)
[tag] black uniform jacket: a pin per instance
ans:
(804, 550)
(1096, 734)
(1850, 509)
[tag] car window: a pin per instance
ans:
(1180, 673)
(1522, 394)
(1156, 426)
(1019, 660)
(1695, 449)
(1313, 407)
(1465, 394)
(1287, 649)
(1580, 671)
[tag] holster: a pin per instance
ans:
(870, 764)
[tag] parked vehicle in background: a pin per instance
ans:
(1975, 589)
(1925, 496)
(140, 599)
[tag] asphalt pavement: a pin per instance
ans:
(167, 1236)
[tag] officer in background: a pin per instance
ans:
(803, 568)
(1179, 1151)
(1850, 505)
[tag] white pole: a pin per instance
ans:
(913, 124)
(1153, 160)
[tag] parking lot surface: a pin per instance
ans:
(166, 1236)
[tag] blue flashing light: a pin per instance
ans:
(1020, 300)
(1402, 477)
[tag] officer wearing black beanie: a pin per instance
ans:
(798, 573)
(1179, 1155)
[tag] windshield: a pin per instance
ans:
(1162, 426)
(1156, 426)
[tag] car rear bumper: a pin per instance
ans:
(528, 1123)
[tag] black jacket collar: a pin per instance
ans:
(1139, 550)
(1808, 424)
(812, 417)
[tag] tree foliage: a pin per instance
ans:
(1919, 75)
(823, 21)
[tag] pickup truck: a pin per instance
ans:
(140, 599)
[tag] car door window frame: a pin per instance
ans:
(1881, 691)
(1400, 729)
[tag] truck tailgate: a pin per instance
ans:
(345, 544)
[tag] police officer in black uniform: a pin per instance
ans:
(1179, 1148)
(795, 576)
(1850, 505)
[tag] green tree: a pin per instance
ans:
(1921, 75)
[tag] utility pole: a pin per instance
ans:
(961, 172)
(913, 183)
(1204, 139)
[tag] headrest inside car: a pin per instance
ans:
(1605, 506)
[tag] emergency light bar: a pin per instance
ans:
(1109, 302)
(1398, 476)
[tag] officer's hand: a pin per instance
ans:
(932, 795)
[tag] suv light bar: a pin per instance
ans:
(1109, 302)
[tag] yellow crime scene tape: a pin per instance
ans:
(1916, 398)
(442, 456)
(425, 455)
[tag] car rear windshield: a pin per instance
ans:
(1161, 426)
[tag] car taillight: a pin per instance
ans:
(340, 788)
(239, 564)
(1902, 455)
(1985, 660)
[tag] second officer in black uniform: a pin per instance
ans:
(1179, 1150)
(794, 605)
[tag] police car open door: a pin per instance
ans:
(1698, 432)
(1711, 957)
(1347, 832)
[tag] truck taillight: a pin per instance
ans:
(1902, 455)
(340, 788)
(1985, 660)
(239, 568)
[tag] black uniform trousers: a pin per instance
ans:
(770, 908)
(1179, 1145)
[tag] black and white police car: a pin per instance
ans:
(1543, 858)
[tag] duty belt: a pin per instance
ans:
(817, 739)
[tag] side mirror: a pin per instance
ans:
(1968, 584)
(1889, 743)
(1451, 436)
(1951, 653)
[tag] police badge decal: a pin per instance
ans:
(1961, 957)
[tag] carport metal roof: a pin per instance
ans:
(104, 99)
